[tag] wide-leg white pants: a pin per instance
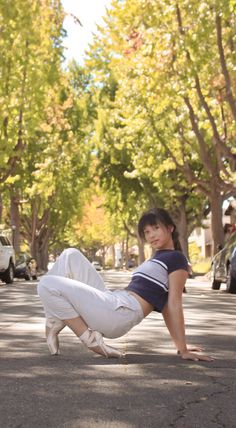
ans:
(64, 295)
(73, 264)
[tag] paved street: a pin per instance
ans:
(150, 387)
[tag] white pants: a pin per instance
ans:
(65, 295)
(73, 264)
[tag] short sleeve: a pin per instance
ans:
(177, 261)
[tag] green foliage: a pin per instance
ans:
(45, 122)
(165, 124)
(202, 267)
(155, 105)
(194, 252)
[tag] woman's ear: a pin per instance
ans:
(171, 228)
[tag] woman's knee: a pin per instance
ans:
(43, 285)
(71, 252)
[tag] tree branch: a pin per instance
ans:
(206, 158)
(217, 138)
(185, 167)
(229, 92)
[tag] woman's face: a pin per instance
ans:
(159, 236)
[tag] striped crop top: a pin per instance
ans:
(150, 279)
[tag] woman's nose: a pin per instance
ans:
(152, 233)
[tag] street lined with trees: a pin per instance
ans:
(148, 120)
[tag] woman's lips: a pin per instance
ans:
(155, 242)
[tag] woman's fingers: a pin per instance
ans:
(193, 349)
(196, 357)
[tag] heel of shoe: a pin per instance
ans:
(52, 346)
(53, 328)
(94, 341)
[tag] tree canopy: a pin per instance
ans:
(165, 78)
(150, 118)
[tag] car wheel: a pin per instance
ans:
(27, 277)
(8, 275)
(215, 284)
(231, 283)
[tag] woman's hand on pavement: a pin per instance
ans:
(191, 348)
(187, 355)
(195, 348)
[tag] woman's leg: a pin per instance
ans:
(73, 264)
(79, 306)
(70, 264)
(92, 339)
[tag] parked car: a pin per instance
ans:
(97, 265)
(224, 266)
(7, 260)
(131, 263)
(25, 267)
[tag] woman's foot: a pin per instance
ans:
(94, 341)
(53, 328)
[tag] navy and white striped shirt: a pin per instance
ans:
(150, 279)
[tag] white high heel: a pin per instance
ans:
(94, 341)
(53, 328)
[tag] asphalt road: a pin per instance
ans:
(150, 387)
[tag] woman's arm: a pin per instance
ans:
(174, 317)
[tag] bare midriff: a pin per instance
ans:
(146, 307)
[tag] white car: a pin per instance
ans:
(7, 260)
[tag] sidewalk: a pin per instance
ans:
(151, 387)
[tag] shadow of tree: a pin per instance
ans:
(150, 386)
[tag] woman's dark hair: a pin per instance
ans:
(158, 216)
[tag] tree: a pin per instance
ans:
(31, 36)
(44, 134)
(172, 98)
(95, 231)
(59, 173)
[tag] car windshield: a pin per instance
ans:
(22, 257)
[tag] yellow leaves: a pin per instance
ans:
(44, 187)
(68, 103)
(12, 179)
(166, 165)
(95, 227)
(45, 127)
(132, 174)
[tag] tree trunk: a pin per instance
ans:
(39, 249)
(15, 221)
(1, 208)
(43, 249)
(42, 256)
(216, 219)
(141, 255)
(123, 252)
(103, 256)
(182, 227)
(113, 256)
(127, 250)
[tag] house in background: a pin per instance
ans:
(202, 236)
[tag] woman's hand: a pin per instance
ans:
(193, 349)
(187, 355)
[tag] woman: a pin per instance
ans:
(74, 294)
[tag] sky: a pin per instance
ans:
(90, 13)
